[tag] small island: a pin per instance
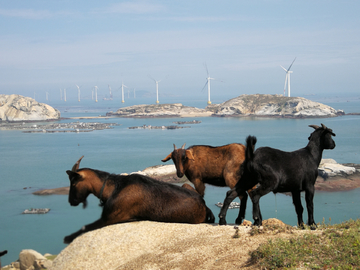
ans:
(243, 106)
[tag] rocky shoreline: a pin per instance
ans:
(332, 177)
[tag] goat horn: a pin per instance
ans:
(76, 165)
(174, 147)
(323, 126)
(183, 147)
(314, 126)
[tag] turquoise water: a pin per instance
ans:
(35, 161)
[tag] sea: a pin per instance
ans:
(34, 161)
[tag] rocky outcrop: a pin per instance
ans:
(31, 260)
(156, 245)
(274, 105)
(159, 110)
(19, 108)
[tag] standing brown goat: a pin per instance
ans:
(134, 197)
(219, 166)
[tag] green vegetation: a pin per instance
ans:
(329, 247)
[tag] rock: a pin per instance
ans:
(272, 222)
(19, 108)
(330, 168)
(274, 105)
(31, 259)
(159, 110)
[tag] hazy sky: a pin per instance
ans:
(46, 45)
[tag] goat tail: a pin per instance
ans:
(250, 147)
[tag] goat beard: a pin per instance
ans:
(84, 204)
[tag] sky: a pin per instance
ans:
(48, 45)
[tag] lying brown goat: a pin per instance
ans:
(134, 197)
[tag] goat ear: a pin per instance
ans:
(167, 158)
(73, 175)
(189, 155)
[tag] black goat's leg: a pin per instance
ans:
(309, 198)
(230, 196)
(243, 201)
(255, 196)
(90, 227)
(298, 208)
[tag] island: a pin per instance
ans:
(259, 105)
(18, 108)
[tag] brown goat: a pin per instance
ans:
(134, 197)
(218, 166)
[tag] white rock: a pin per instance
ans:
(19, 108)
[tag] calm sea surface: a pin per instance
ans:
(30, 162)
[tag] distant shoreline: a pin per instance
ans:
(332, 184)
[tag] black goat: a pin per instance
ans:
(134, 197)
(277, 171)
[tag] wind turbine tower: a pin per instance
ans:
(287, 78)
(96, 88)
(157, 89)
(122, 91)
(78, 87)
(111, 96)
(65, 94)
(208, 79)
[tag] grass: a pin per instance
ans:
(332, 247)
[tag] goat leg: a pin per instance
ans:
(230, 196)
(243, 201)
(90, 227)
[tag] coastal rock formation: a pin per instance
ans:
(274, 105)
(156, 245)
(19, 108)
(159, 110)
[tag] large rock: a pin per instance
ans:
(31, 259)
(156, 245)
(274, 105)
(330, 168)
(19, 108)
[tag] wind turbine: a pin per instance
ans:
(122, 91)
(287, 77)
(78, 87)
(65, 94)
(111, 96)
(208, 79)
(157, 89)
(96, 88)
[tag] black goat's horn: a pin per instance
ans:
(76, 165)
(174, 147)
(323, 126)
(183, 147)
(314, 126)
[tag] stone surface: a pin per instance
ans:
(330, 168)
(29, 258)
(156, 245)
(19, 108)
(274, 105)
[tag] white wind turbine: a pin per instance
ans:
(122, 91)
(157, 89)
(111, 96)
(96, 88)
(65, 94)
(287, 77)
(208, 79)
(78, 87)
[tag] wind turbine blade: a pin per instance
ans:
(207, 71)
(152, 78)
(204, 86)
(292, 63)
(283, 68)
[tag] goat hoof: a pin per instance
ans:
(238, 221)
(68, 240)
(313, 227)
(222, 222)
